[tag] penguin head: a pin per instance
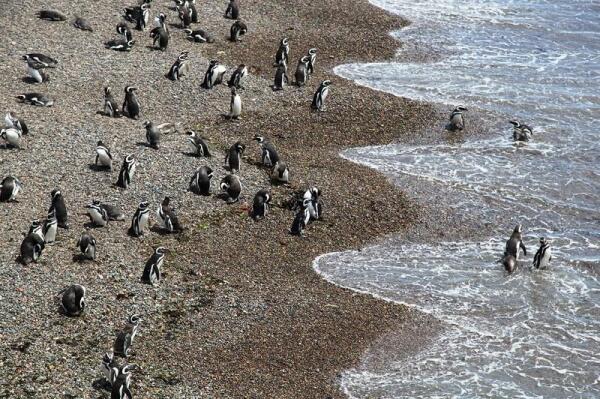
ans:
(191, 133)
(100, 143)
(108, 358)
(147, 124)
(214, 62)
(160, 251)
(315, 192)
(259, 139)
(284, 41)
(209, 172)
(130, 43)
(460, 108)
(305, 59)
(134, 319)
(144, 205)
(312, 51)
(239, 147)
(183, 56)
(107, 90)
(188, 32)
(20, 97)
(518, 228)
(166, 201)
(543, 241)
(515, 123)
(55, 193)
(130, 89)
(129, 159)
(145, 6)
(326, 83)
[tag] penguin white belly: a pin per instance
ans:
(132, 171)
(285, 176)
(50, 235)
(15, 192)
(39, 233)
(545, 261)
(324, 95)
(218, 72)
(13, 137)
(236, 108)
(144, 221)
(103, 158)
(96, 217)
(90, 252)
(35, 74)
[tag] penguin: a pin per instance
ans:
(83, 24)
(318, 101)
(231, 187)
(151, 273)
(119, 44)
(515, 243)
(200, 182)
(184, 16)
(111, 108)
(123, 30)
(235, 105)
(160, 36)
(312, 59)
(131, 106)
(238, 29)
(152, 135)
(234, 156)
(36, 228)
(31, 248)
(139, 15)
(127, 171)
(103, 156)
(87, 246)
(314, 206)
(73, 300)
(9, 189)
(283, 52)
(238, 76)
(97, 214)
(35, 71)
(167, 217)
(109, 367)
(50, 227)
(199, 36)
(180, 67)
(214, 74)
(39, 61)
(300, 220)
(51, 15)
(161, 22)
(60, 208)
(281, 77)
(269, 155)
(121, 387)
(13, 121)
(233, 9)
(543, 256)
(140, 219)
(124, 339)
(38, 99)
(302, 71)
(509, 262)
(12, 137)
(191, 4)
(280, 173)
(260, 205)
(200, 146)
(456, 119)
(521, 132)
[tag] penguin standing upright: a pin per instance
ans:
(160, 38)
(103, 156)
(234, 156)
(543, 256)
(301, 218)
(280, 173)
(151, 273)
(36, 228)
(180, 67)
(200, 146)
(111, 108)
(87, 246)
(50, 227)
(214, 75)
(124, 339)
(235, 105)
(315, 205)
(73, 300)
(320, 96)
(9, 189)
(281, 77)
(167, 217)
(140, 219)
(269, 155)
(238, 76)
(515, 243)
(139, 15)
(127, 171)
(185, 16)
(152, 135)
(260, 205)
(60, 209)
(312, 59)
(131, 106)
(121, 386)
(231, 187)
(283, 52)
(97, 214)
(302, 71)
(200, 181)
(109, 367)
(31, 248)
(123, 30)
(233, 9)
(238, 29)
(521, 132)
(456, 119)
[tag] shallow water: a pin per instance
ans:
(535, 333)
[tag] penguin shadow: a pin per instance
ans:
(8, 146)
(31, 81)
(145, 144)
(192, 154)
(154, 48)
(163, 233)
(102, 384)
(80, 258)
(98, 168)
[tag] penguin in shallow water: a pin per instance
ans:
(39, 61)
(119, 44)
(543, 256)
(199, 145)
(151, 273)
(167, 217)
(515, 243)
(180, 67)
(127, 171)
(521, 132)
(121, 387)
(51, 15)
(124, 339)
(50, 227)
(260, 205)
(302, 71)
(37, 99)
(300, 220)
(312, 59)
(456, 119)
(280, 173)
(60, 209)
(509, 262)
(31, 248)
(234, 156)
(9, 189)
(11, 136)
(73, 300)
(200, 181)
(140, 219)
(87, 246)
(131, 106)
(235, 105)
(111, 108)
(233, 9)
(83, 24)
(237, 30)
(269, 155)
(315, 205)
(12, 121)
(103, 156)
(199, 36)
(283, 52)
(238, 76)
(214, 75)
(318, 102)
(231, 187)
(281, 77)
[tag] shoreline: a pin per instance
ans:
(240, 300)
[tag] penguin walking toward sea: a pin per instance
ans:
(515, 243)
(140, 219)
(543, 256)
(269, 155)
(314, 204)
(200, 181)
(281, 77)
(11, 137)
(103, 156)
(131, 106)
(199, 36)
(50, 227)
(238, 76)
(318, 102)
(51, 15)
(167, 217)
(124, 340)
(87, 246)
(121, 387)
(200, 148)
(301, 219)
(214, 75)
(260, 205)
(59, 207)
(283, 52)
(233, 159)
(233, 9)
(302, 71)
(31, 248)
(73, 300)
(231, 187)
(237, 30)
(235, 105)
(312, 59)
(10, 189)
(111, 108)
(37, 99)
(82, 24)
(456, 119)
(280, 173)
(120, 44)
(151, 274)
(127, 171)
(521, 132)
(12, 121)
(180, 67)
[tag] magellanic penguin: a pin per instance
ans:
(233, 158)
(123, 30)
(127, 171)
(269, 155)
(180, 67)
(238, 76)
(515, 243)
(131, 106)
(167, 217)
(50, 227)
(214, 75)
(120, 44)
(300, 220)
(60, 209)
(151, 273)
(31, 248)
(509, 262)
(185, 16)
(312, 59)
(521, 132)
(283, 52)
(260, 205)
(139, 15)
(124, 339)
(318, 102)
(152, 135)
(456, 119)
(238, 29)
(111, 108)
(140, 219)
(235, 105)
(315, 205)
(161, 22)
(281, 77)
(109, 367)
(51, 15)
(543, 256)
(87, 246)
(160, 34)
(199, 145)
(280, 173)
(231, 187)
(9, 189)
(38, 99)
(121, 387)
(12, 137)
(36, 227)
(103, 156)
(100, 214)
(200, 181)
(199, 36)
(39, 61)
(73, 300)
(83, 24)
(35, 69)
(302, 71)
(12, 121)
(233, 9)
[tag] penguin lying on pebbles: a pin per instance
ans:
(233, 159)
(238, 76)
(260, 205)
(237, 30)
(111, 108)
(269, 155)
(233, 9)
(151, 273)
(200, 181)
(31, 248)
(127, 171)
(131, 106)
(39, 61)
(9, 189)
(180, 67)
(235, 105)
(214, 75)
(280, 173)
(35, 69)
(167, 217)
(73, 300)
(12, 121)
(87, 246)
(154, 132)
(39, 99)
(124, 339)
(318, 102)
(120, 44)
(140, 219)
(59, 207)
(103, 156)
(456, 119)
(231, 187)
(301, 75)
(543, 256)
(521, 132)
(12, 137)
(51, 15)
(100, 214)
(199, 36)
(83, 24)
(199, 145)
